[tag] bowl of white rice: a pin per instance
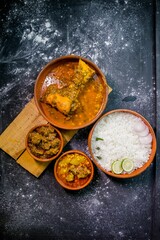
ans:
(122, 143)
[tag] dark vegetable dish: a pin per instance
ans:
(44, 142)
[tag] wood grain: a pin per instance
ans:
(12, 140)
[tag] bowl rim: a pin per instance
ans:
(61, 182)
(44, 159)
(137, 171)
(105, 98)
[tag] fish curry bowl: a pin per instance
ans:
(71, 92)
(44, 142)
(73, 170)
(122, 143)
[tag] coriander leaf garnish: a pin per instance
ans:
(99, 139)
(99, 157)
(98, 148)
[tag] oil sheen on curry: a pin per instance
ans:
(72, 93)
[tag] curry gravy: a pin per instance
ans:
(90, 98)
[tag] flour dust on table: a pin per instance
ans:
(38, 37)
(117, 35)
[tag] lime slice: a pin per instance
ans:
(117, 167)
(127, 165)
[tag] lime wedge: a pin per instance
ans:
(127, 165)
(117, 167)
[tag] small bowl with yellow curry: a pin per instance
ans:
(73, 170)
(44, 142)
(71, 92)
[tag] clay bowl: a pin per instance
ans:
(42, 145)
(75, 184)
(46, 78)
(136, 171)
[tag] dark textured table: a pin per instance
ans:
(122, 37)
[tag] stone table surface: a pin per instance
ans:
(122, 37)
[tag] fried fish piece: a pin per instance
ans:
(83, 74)
(65, 99)
(62, 103)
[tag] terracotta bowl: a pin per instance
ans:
(136, 171)
(51, 114)
(75, 184)
(45, 157)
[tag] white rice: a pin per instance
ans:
(120, 140)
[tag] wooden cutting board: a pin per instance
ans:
(12, 140)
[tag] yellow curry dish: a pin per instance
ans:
(71, 93)
(73, 170)
(64, 94)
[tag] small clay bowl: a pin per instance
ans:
(45, 158)
(76, 184)
(54, 116)
(138, 170)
